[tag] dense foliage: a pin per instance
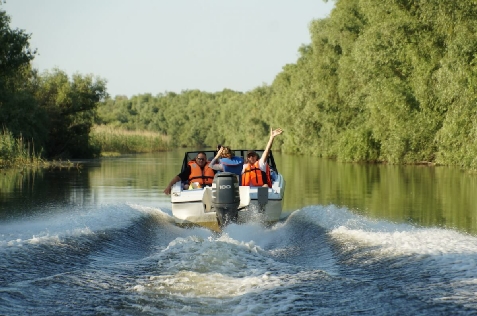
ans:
(195, 118)
(390, 81)
(50, 111)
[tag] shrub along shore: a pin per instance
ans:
(114, 141)
(19, 153)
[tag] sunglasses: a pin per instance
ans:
(200, 158)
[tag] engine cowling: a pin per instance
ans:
(225, 197)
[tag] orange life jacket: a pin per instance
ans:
(253, 176)
(203, 176)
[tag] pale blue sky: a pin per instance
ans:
(153, 46)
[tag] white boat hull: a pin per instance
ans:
(194, 206)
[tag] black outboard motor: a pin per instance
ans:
(225, 197)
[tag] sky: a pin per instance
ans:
(158, 46)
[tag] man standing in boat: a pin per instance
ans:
(197, 171)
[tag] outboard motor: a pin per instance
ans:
(225, 197)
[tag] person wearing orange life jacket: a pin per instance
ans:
(256, 172)
(252, 175)
(197, 170)
(202, 175)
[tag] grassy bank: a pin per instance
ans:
(114, 141)
(17, 152)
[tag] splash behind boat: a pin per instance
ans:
(226, 201)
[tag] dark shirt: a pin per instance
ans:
(184, 175)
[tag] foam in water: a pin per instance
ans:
(390, 238)
(446, 255)
(159, 214)
(223, 267)
(53, 228)
(145, 263)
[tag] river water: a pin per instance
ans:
(354, 240)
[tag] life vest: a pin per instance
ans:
(253, 176)
(203, 176)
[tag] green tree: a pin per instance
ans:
(19, 112)
(71, 107)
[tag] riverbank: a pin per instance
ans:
(17, 153)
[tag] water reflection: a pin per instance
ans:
(428, 196)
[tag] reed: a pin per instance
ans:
(120, 141)
(16, 152)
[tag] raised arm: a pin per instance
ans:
(213, 163)
(266, 152)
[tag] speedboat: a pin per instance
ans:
(226, 201)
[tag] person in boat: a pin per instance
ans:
(226, 161)
(197, 171)
(256, 172)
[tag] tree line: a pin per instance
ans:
(390, 81)
(51, 112)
